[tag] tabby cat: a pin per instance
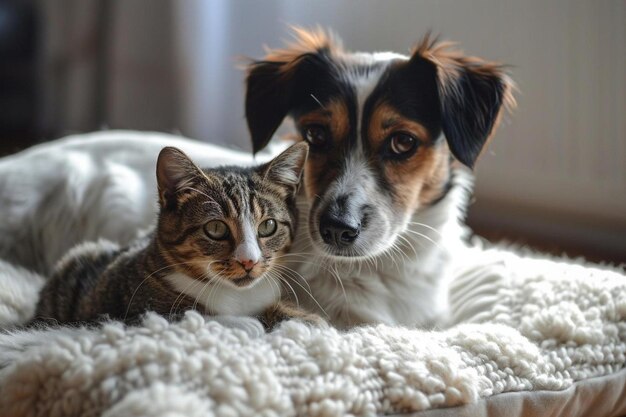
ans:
(216, 248)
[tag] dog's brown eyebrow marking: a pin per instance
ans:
(334, 117)
(390, 122)
(385, 119)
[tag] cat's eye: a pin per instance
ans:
(402, 144)
(216, 230)
(316, 135)
(267, 228)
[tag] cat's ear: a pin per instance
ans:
(174, 171)
(286, 168)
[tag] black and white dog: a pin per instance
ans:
(385, 197)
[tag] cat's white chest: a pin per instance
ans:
(221, 298)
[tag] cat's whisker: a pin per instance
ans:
(335, 274)
(190, 286)
(285, 282)
(181, 297)
(274, 284)
(295, 281)
(286, 269)
(211, 285)
(214, 286)
(302, 254)
(150, 276)
(132, 297)
(302, 258)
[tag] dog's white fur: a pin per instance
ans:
(407, 285)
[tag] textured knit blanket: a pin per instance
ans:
(536, 328)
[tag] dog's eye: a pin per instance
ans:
(216, 230)
(402, 144)
(267, 228)
(316, 135)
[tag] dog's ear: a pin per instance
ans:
(275, 84)
(269, 88)
(275, 88)
(472, 94)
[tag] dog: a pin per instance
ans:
(387, 181)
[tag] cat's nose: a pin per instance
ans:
(247, 264)
(248, 254)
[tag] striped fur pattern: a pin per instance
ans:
(217, 247)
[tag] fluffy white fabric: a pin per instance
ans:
(19, 288)
(523, 324)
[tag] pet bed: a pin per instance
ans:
(532, 336)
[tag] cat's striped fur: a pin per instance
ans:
(216, 247)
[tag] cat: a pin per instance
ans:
(217, 247)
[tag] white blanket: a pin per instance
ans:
(524, 325)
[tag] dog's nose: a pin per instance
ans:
(340, 231)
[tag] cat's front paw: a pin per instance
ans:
(313, 319)
(287, 311)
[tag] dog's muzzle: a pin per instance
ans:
(340, 227)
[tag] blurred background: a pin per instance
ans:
(554, 176)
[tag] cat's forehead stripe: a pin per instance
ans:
(269, 205)
(255, 204)
(261, 206)
(244, 193)
(236, 188)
